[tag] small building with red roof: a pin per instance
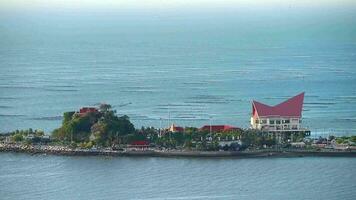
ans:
(85, 110)
(285, 116)
(219, 128)
(139, 144)
(176, 129)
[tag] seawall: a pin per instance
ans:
(175, 153)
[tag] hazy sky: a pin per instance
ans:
(163, 4)
(328, 19)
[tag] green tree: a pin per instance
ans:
(67, 117)
(103, 108)
(17, 137)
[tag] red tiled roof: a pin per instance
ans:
(179, 129)
(289, 108)
(88, 109)
(218, 128)
(175, 128)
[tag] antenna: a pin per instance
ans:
(210, 117)
(160, 126)
(169, 115)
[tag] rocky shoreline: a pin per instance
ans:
(66, 151)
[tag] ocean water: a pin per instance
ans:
(178, 67)
(58, 177)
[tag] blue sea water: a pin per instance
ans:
(181, 66)
(59, 177)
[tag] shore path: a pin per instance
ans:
(62, 150)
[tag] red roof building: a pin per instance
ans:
(281, 117)
(219, 128)
(139, 144)
(85, 110)
(174, 129)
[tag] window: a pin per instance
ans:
(256, 121)
(271, 121)
(278, 121)
(287, 121)
(263, 121)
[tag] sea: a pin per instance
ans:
(23, 176)
(190, 66)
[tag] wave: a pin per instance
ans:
(5, 106)
(176, 105)
(208, 102)
(351, 119)
(190, 197)
(53, 118)
(61, 90)
(141, 117)
(302, 56)
(62, 86)
(319, 103)
(346, 97)
(139, 91)
(17, 87)
(9, 98)
(316, 106)
(193, 83)
(11, 115)
(139, 87)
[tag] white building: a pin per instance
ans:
(284, 117)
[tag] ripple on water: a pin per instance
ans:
(58, 177)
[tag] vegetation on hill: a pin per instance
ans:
(102, 128)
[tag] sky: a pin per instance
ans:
(164, 4)
(331, 19)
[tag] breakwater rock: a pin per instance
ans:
(66, 151)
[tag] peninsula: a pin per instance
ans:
(275, 131)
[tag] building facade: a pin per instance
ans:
(284, 117)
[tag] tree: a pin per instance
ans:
(17, 137)
(353, 138)
(108, 130)
(39, 133)
(103, 108)
(67, 117)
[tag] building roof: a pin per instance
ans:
(219, 128)
(290, 108)
(179, 129)
(174, 128)
(88, 109)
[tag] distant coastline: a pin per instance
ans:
(266, 153)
